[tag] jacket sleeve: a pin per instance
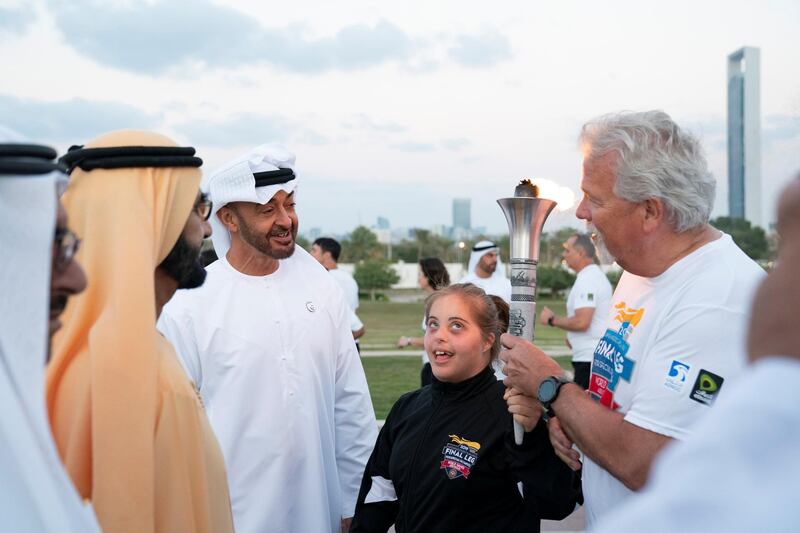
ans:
(377, 505)
(549, 485)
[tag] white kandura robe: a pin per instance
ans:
(277, 368)
(496, 285)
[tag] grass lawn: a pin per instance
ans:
(385, 322)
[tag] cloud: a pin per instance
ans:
(74, 121)
(15, 20)
(413, 147)
(780, 127)
(241, 129)
(363, 122)
(312, 138)
(456, 144)
(483, 50)
(152, 38)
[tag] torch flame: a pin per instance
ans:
(563, 196)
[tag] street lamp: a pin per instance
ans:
(461, 245)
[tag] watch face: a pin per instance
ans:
(547, 389)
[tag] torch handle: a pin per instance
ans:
(522, 310)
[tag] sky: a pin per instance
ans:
(395, 108)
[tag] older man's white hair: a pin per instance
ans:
(656, 159)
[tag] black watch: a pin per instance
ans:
(548, 392)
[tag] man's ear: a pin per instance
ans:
(655, 213)
(228, 217)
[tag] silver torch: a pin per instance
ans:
(525, 214)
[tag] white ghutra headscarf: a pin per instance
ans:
(38, 494)
(236, 182)
(481, 248)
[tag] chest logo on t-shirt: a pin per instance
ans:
(610, 362)
(458, 457)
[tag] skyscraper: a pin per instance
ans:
(461, 213)
(744, 135)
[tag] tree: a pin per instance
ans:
(554, 278)
(374, 274)
(360, 246)
(303, 243)
(752, 240)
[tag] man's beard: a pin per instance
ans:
(183, 265)
(603, 255)
(489, 268)
(261, 243)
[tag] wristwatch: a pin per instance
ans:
(550, 321)
(548, 392)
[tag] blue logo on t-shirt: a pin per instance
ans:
(677, 375)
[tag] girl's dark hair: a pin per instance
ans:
(435, 271)
(486, 312)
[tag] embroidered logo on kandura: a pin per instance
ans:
(677, 375)
(706, 387)
(458, 457)
(311, 307)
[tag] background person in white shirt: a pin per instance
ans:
(675, 336)
(432, 276)
(588, 305)
(327, 251)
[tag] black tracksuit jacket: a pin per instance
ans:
(448, 449)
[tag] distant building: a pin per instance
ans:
(461, 213)
(744, 135)
(440, 230)
(382, 223)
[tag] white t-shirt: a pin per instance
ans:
(738, 472)
(350, 289)
(348, 285)
(672, 342)
(591, 289)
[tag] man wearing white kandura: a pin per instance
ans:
(267, 341)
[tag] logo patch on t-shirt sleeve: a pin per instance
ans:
(590, 297)
(677, 375)
(706, 387)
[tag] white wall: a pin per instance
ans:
(408, 273)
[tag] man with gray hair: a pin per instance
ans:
(588, 305)
(675, 335)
